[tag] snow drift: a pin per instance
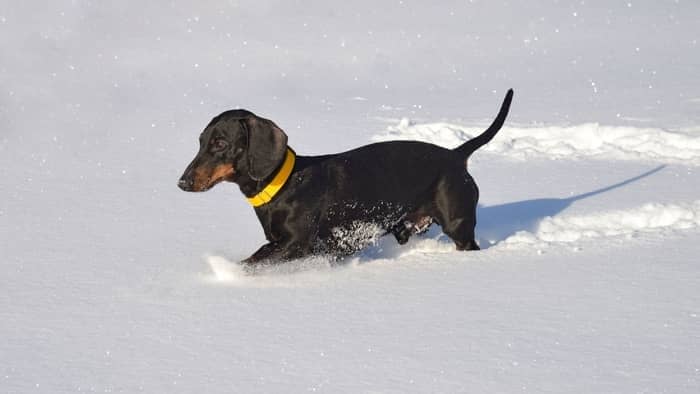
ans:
(589, 140)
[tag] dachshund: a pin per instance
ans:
(336, 204)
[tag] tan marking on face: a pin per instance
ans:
(222, 171)
(206, 177)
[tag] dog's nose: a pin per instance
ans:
(185, 184)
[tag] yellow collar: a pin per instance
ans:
(269, 192)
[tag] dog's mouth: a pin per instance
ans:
(211, 183)
(202, 183)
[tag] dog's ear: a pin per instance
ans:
(267, 146)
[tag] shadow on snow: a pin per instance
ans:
(498, 222)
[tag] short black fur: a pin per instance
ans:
(335, 204)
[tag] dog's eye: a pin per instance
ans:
(219, 145)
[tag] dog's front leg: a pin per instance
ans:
(261, 254)
(276, 252)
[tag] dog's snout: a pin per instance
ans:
(185, 184)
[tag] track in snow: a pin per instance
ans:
(589, 140)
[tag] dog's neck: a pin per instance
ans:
(251, 187)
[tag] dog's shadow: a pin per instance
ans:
(498, 222)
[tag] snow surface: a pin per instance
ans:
(583, 141)
(113, 280)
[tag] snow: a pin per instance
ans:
(655, 218)
(114, 280)
(555, 142)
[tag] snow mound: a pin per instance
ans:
(225, 270)
(652, 217)
(290, 274)
(589, 140)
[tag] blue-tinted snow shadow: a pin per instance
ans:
(498, 222)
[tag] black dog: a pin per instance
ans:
(334, 204)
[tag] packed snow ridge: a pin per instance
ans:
(589, 140)
(652, 217)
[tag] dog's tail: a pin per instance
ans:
(467, 148)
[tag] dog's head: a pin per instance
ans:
(236, 144)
